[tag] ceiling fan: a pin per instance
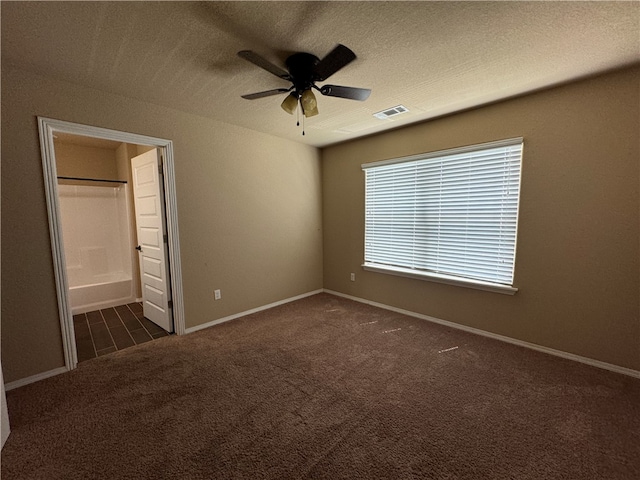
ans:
(303, 71)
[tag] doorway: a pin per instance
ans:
(96, 258)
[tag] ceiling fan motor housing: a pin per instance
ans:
(301, 67)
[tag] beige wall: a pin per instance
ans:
(249, 213)
(577, 263)
(85, 162)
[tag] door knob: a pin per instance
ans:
(139, 248)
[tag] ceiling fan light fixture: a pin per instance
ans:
(309, 103)
(290, 103)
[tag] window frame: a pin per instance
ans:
(441, 277)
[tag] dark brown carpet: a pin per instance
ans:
(326, 388)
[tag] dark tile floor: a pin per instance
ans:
(105, 331)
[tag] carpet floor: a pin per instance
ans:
(326, 388)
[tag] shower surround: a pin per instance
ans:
(98, 245)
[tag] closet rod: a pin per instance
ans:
(91, 179)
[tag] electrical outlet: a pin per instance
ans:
(217, 295)
(353, 277)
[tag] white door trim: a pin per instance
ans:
(47, 128)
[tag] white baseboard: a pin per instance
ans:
(35, 378)
(521, 343)
(249, 312)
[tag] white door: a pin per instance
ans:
(152, 241)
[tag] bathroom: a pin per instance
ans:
(96, 206)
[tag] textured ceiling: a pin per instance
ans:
(433, 57)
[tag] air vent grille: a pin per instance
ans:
(391, 112)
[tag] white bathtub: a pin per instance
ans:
(109, 290)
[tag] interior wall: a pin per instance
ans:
(249, 213)
(85, 162)
(577, 261)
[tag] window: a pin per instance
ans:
(449, 216)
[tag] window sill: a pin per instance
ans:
(439, 278)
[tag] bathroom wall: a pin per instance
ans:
(84, 161)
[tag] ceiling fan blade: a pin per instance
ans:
(266, 93)
(351, 93)
(334, 61)
(263, 63)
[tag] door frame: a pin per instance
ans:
(47, 128)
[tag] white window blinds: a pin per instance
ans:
(453, 212)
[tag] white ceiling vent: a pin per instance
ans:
(391, 112)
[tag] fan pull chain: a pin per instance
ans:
(302, 124)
